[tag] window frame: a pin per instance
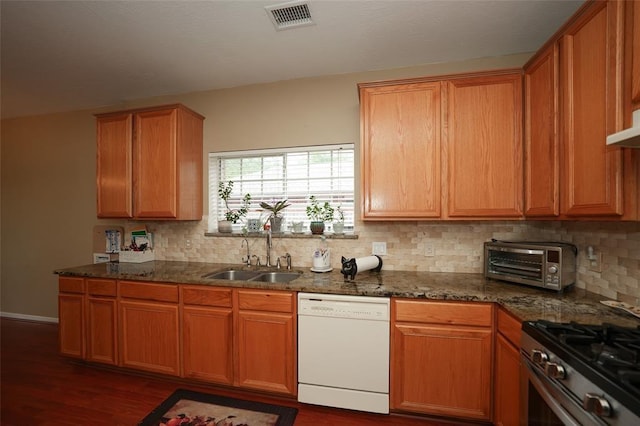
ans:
(214, 170)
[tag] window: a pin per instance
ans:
(293, 174)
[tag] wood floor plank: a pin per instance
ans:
(40, 387)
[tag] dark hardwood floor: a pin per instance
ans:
(39, 387)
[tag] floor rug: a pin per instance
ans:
(189, 408)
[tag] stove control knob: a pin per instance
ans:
(553, 269)
(539, 357)
(554, 370)
(596, 404)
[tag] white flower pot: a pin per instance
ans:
(225, 226)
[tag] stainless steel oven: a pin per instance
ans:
(574, 374)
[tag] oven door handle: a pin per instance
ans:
(564, 417)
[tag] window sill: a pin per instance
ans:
(307, 235)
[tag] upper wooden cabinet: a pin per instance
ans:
(149, 164)
(442, 147)
(401, 150)
(542, 148)
(590, 80)
(632, 49)
(574, 98)
(484, 146)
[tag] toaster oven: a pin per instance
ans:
(549, 265)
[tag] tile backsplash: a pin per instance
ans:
(457, 247)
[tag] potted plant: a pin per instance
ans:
(318, 214)
(231, 215)
(338, 226)
(275, 217)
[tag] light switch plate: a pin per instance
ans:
(595, 263)
(379, 248)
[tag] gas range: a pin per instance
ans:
(597, 366)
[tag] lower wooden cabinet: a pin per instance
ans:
(507, 370)
(71, 323)
(266, 341)
(207, 334)
(101, 320)
(149, 329)
(234, 337)
(442, 353)
(441, 358)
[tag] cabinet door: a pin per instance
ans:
(208, 344)
(590, 81)
(154, 164)
(442, 370)
(266, 351)
(634, 51)
(113, 167)
(507, 388)
(71, 324)
(542, 149)
(149, 337)
(484, 146)
(400, 151)
(101, 330)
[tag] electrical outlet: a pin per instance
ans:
(187, 244)
(429, 250)
(595, 262)
(379, 248)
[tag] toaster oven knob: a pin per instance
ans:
(539, 357)
(553, 269)
(554, 370)
(596, 404)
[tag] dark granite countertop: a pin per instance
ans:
(526, 303)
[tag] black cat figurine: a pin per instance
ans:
(349, 268)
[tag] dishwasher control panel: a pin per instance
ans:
(339, 306)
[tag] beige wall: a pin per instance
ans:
(48, 182)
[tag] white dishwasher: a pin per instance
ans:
(343, 351)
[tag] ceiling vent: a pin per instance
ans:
(290, 15)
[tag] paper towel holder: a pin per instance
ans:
(350, 267)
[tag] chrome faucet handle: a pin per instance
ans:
(257, 260)
(286, 256)
(269, 245)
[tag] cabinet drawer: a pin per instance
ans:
(101, 287)
(509, 327)
(455, 313)
(265, 301)
(71, 285)
(149, 291)
(200, 295)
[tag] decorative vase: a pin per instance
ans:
(276, 224)
(317, 227)
(225, 226)
(338, 228)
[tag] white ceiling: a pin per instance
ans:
(69, 55)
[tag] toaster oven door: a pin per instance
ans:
(525, 266)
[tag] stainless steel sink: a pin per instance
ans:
(262, 276)
(276, 277)
(233, 274)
